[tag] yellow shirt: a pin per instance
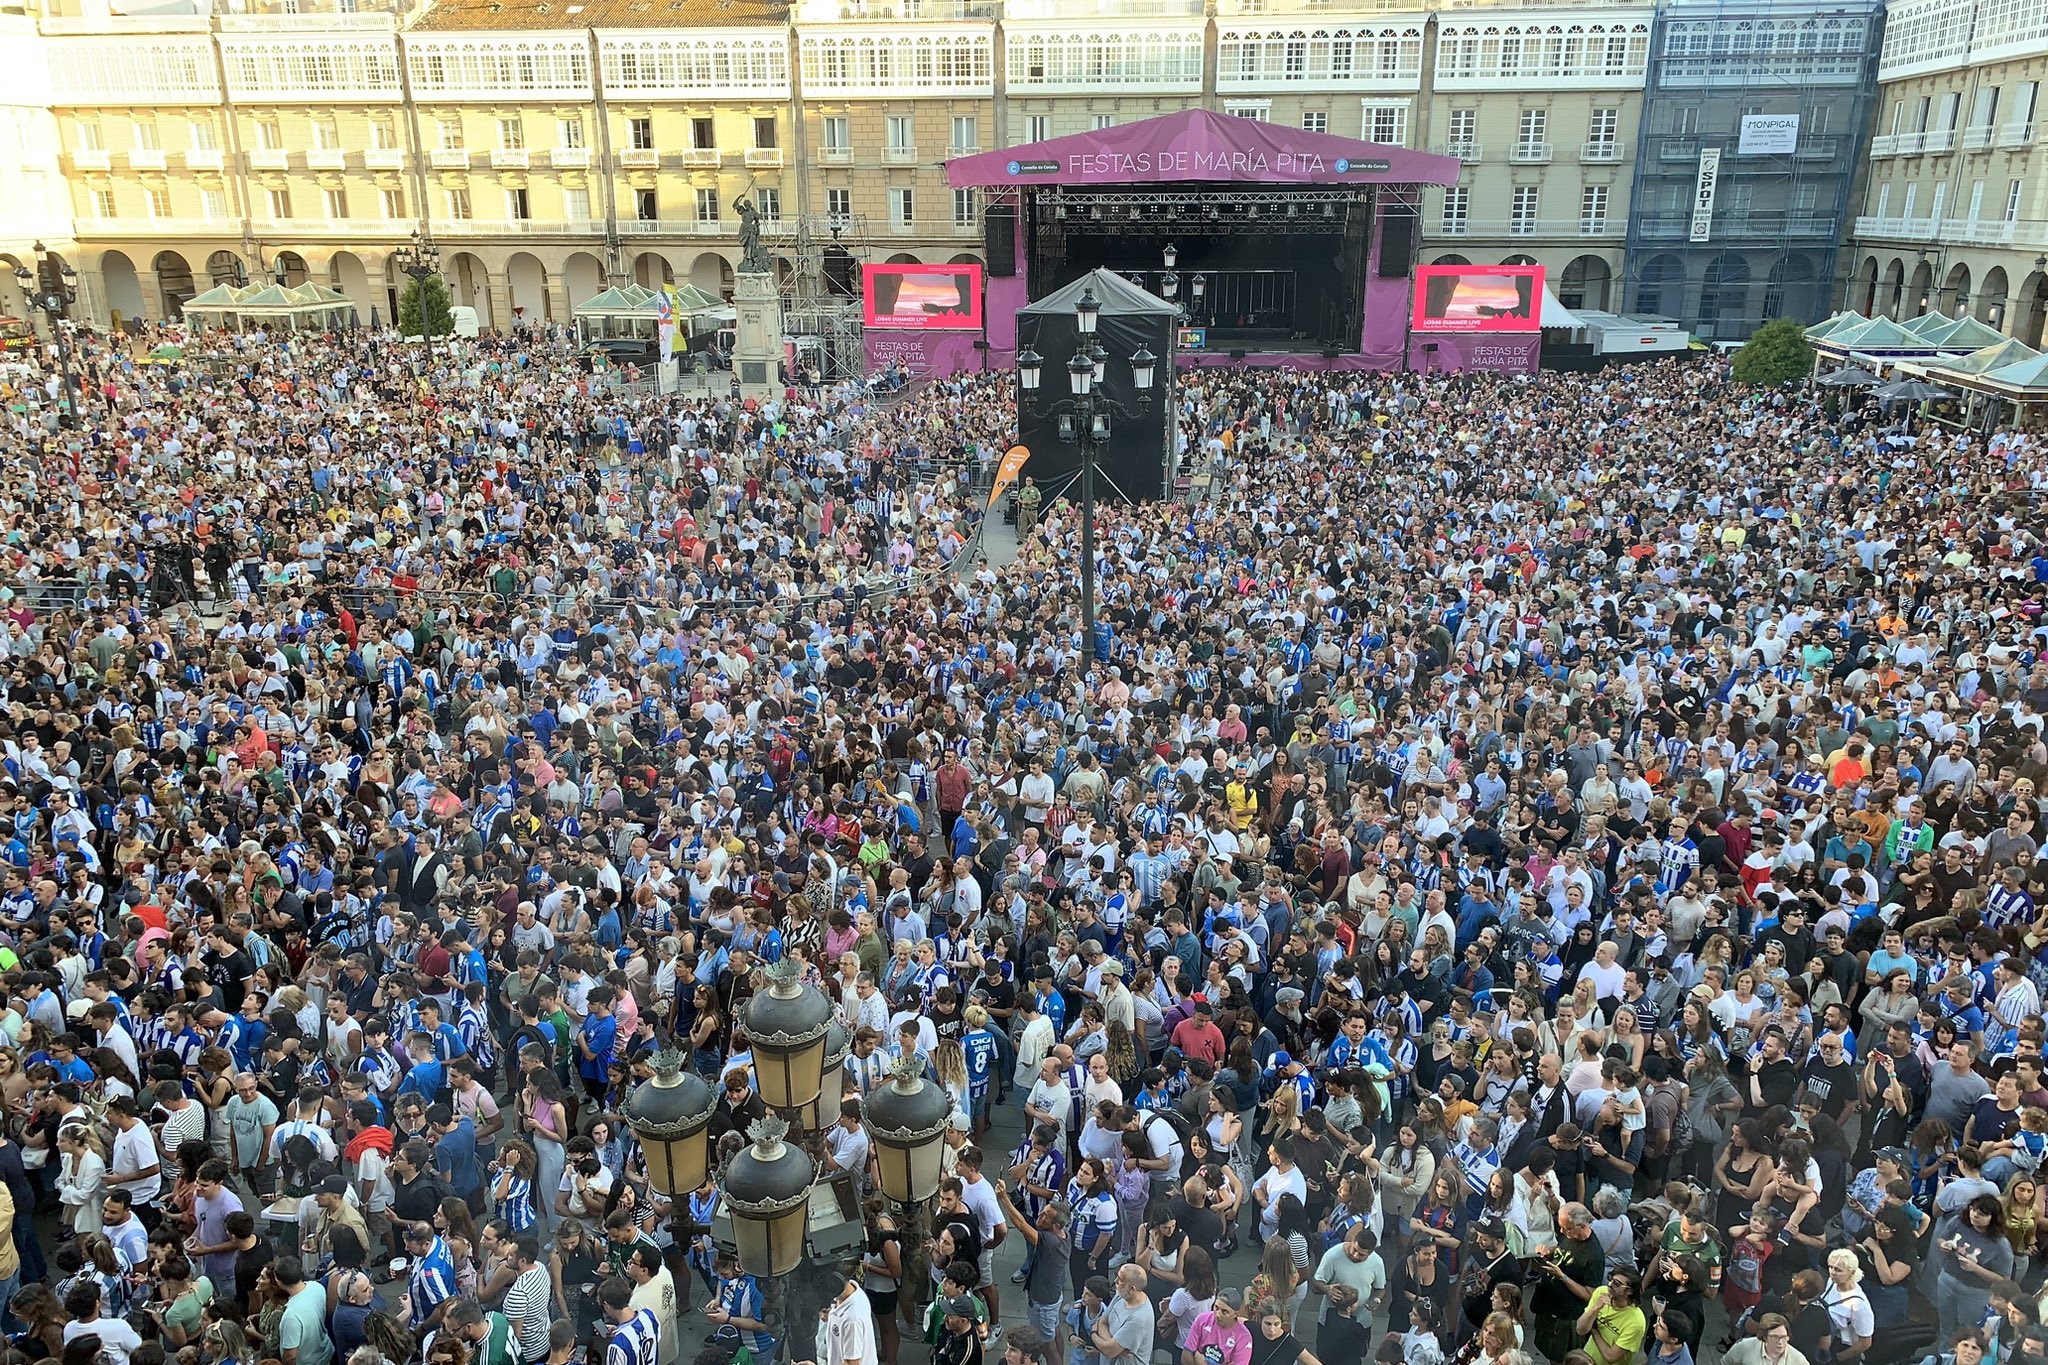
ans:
(1618, 1332)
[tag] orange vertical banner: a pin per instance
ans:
(1006, 474)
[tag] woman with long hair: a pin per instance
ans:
(1189, 1299)
(81, 1176)
(1743, 1168)
(544, 1120)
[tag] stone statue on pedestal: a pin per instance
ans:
(753, 257)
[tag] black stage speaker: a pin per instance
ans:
(1397, 242)
(999, 239)
(839, 278)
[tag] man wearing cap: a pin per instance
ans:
(959, 1343)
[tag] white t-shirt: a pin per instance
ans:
(1277, 1183)
(117, 1338)
(134, 1150)
(1849, 1311)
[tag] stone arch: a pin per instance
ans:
(469, 286)
(1660, 286)
(13, 300)
(526, 282)
(347, 273)
(964, 258)
(2032, 309)
(290, 268)
(905, 258)
(225, 267)
(1991, 298)
(1792, 290)
(712, 273)
(173, 281)
(1894, 292)
(1724, 295)
(1519, 258)
(651, 270)
(1450, 258)
(123, 285)
(1955, 291)
(1586, 283)
(583, 277)
(1865, 299)
(1920, 292)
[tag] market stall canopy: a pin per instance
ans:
(308, 302)
(1555, 314)
(1925, 323)
(1826, 326)
(2028, 378)
(1874, 336)
(2007, 351)
(1963, 334)
(638, 301)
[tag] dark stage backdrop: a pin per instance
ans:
(1134, 462)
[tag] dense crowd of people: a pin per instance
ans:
(1536, 867)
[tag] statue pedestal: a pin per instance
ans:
(757, 344)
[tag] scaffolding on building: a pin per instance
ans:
(821, 294)
(1755, 116)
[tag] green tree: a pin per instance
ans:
(423, 309)
(1778, 353)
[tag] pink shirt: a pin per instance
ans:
(1231, 1347)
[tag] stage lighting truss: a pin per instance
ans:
(1215, 212)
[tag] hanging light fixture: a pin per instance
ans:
(670, 1115)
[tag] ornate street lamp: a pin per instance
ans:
(907, 1120)
(815, 1116)
(787, 1029)
(671, 1116)
(768, 1195)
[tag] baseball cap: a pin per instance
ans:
(961, 1306)
(1282, 1060)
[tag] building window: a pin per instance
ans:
(902, 207)
(902, 134)
(1685, 121)
(569, 133)
(516, 206)
(707, 205)
(512, 134)
(213, 204)
(1602, 127)
(966, 133)
(765, 134)
(334, 203)
(1037, 127)
(1986, 111)
(640, 134)
(768, 202)
(576, 205)
(703, 135)
(966, 208)
(1315, 121)
(159, 201)
(837, 136)
(1532, 132)
(1457, 204)
(458, 205)
(102, 203)
(448, 134)
(269, 136)
(393, 203)
(1819, 118)
(1385, 122)
(89, 136)
(644, 206)
(383, 133)
(2012, 202)
(838, 205)
(1522, 216)
(1464, 130)
(147, 139)
(1258, 111)
(204, 137)
(280, 203)
(1593, 210)
(326, 137)
(1098, 122)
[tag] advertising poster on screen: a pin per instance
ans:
(922, 298)
(1478, 298)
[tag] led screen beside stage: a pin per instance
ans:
(919, 298)
(1478, 298)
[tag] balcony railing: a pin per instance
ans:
(89, 228)
(384, 159)
(1600, 153)
(2016, 134)
(956, 152)
(146, 159)
(1817, 148)
(702, 158)
(269, 159)
(639, 158)
(1938, 140)
(643, 227)
(204, 159)
(510, 159)
(375, 229)
(326, 159)
(1908, 144)
(568, 158)
(1910, 229)
(838, 156)
(1529, 153)
(763, 158)
(1502, 228)
(449, 159)
(900, 156)
(1468, 152)
(707, 227)
(92, 159)
(523, 227)
(1686, 148)
(1978, 137)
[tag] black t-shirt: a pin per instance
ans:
(1777, 1081)
(1583, 1263)
(1284, 1349)
(1204, 1227)
(1834, 1086)
(230, 973)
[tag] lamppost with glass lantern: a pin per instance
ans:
(54, 291)
(420, 261)
(1085, 421)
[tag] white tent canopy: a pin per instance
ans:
(1556, 314)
